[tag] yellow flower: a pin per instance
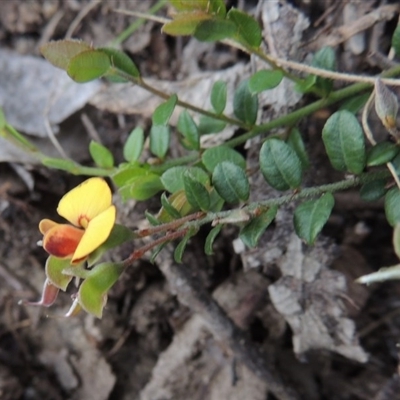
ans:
(89, 209)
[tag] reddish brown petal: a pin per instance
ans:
(62, 240)
(49, 296)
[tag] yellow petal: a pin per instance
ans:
(85, 202)
(46, 224)
(96, 234)
(62, 240)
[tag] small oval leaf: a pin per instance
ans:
(160, 136)
(170, 209)
(54, 272)
(245, 104)
(248, 29)
(251, 233)
(212, 235)
(344, 142)
(188, 128)
(215, 155)
(142, 187)
(311, 216)
(101, 155)
(163, 112)
(93, 291)
(185, 23)
(295, 141)
(212, 30)
(392, 206)
(60, 52)
(374, 190)
(196, 193)
(133, 147)
(88, 65)
(264, 79)
(121, 61)
(382, 153)
(280, 165)
(210, 125)
(172, 179)
(231, 182)
(218, 96)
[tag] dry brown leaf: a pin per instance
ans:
(310, 297)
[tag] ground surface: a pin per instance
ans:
(319, 333)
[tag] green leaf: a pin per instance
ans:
(295, 141)
(217, 7)
(118, 235)
(133, 147)
(60, 52)
(306, 85)
(185, 23)
(344, 142)
(245, 105)
(171, 210)
(212, 30)
(396, 40)
(163, 112)
(142, 187)
(215, 155)
(231, 182)
(396, 164)
(152, 219)
(355, 104)
(392, 206)
(93, 291)
(325, 58)
(160, 136)
(121, 61)
(280, 165)
(88, 65)
(196, 193)
(374, 190)
(210, 125)
(178, 253)
(208, 246)
(396, 240)
(188, 128)
(179, 201)
(251, 233)
(190, 5)
(264, 79)
(172, 179)
(311, 216)
(125, 175)
(382, 153)
(54, 272)
(101, 155)
(248, 29)
(218, 96)
(216, 201)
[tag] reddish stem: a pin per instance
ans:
(135, 255)
(169, 225)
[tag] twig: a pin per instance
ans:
(191, 293)
(82, 14)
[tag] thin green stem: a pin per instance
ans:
(189, 106)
